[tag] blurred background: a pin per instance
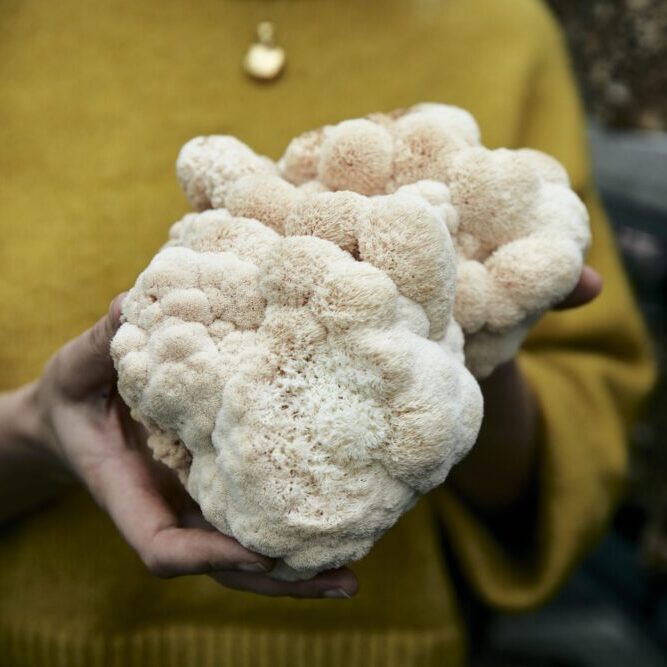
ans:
(613, 613)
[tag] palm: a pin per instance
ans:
(90, 427)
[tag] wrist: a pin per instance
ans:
(31, 429)
(18, 417)
(500, 466)
(30, 471)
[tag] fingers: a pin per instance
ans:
(587, 289)
(173, 552)
(125, 488)
(340, 583)
(115, 309)
(85, 363)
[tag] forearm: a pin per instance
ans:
(29, 472)
(499, 468)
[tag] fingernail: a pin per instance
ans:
(252, 567)
(336, 593)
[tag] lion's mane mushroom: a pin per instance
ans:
(293, 388)
(296, 349)
(521, 234)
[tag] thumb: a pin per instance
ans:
(587, 289)
(86, 364)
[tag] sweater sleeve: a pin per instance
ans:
(590, 368)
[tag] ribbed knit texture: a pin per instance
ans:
(189, 646)
(96, 99)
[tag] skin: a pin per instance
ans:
(496, 472)
(71, 426)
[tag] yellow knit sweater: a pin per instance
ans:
(95, 100)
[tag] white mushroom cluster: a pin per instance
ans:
(294, 388)
(298, 348)
(519, 231)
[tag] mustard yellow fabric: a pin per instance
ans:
(96, 98)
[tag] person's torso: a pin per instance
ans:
(97, 99)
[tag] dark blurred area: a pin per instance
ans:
(613, 612)
(619, 50)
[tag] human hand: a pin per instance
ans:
(86, 424)
(497, 470)
(587, 289)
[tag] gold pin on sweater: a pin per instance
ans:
(264, 60)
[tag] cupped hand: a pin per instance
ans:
(86, 424)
